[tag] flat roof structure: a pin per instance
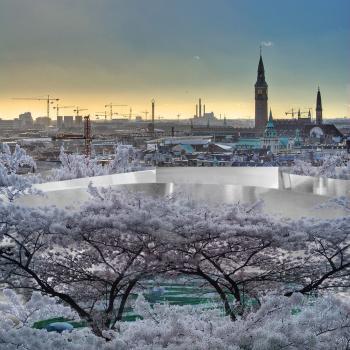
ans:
(283, 194)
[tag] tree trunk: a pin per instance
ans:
(124, 299)
(223, 297)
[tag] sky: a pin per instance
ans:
(90, 53)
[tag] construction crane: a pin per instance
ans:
(129, 115)
(78, 110)
(61, 107)
(101, 114)
(308, 112)
(299, 113)
(145, 113)
(49, 100)
(292, 112)
(111, 105)
(86, 136)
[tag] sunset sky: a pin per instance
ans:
(93, 52)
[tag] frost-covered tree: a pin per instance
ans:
(74, 166)
(91, 260)
(13, 161)
(235, 249)
(94, 257)
(295, 323)
(13, 185)
(324, 263)
(38, 307)
(124, 160)
(335, 166)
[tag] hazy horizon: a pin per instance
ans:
(90, 53)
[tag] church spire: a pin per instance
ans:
(261, 110)
(261, 73)
(318, 107)
(270, 117)
(318, 100)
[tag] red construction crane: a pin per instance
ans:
(49, 100)
(87, 136)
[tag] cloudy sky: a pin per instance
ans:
(93, 52)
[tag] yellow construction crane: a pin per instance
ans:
(129, 115)
(145, 113)
(49, 100)
(61, 107)
(101, 114)
(111, 105)
(298, 113)
(78, 110)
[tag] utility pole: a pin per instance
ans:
(145, 113)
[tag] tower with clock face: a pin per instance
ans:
(261, 113)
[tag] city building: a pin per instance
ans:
(78, 120)
(59, 122)
(43, 122)
(25, 120)
(318, 107)
(68, 121)
(261, 98)
(310, 131)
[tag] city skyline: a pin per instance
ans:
(90, 54)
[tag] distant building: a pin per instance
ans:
(261, 98)
(270, 139)
(59, 122)
(318, 107)
(78, 120)
(25, 120)
(7, 124)
(317, 132)
(68, 121)
(43, 122)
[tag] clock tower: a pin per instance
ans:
(261, 112)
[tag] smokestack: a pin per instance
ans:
(153, 111)
(203, 110)
(196, 111)
(200, 107)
